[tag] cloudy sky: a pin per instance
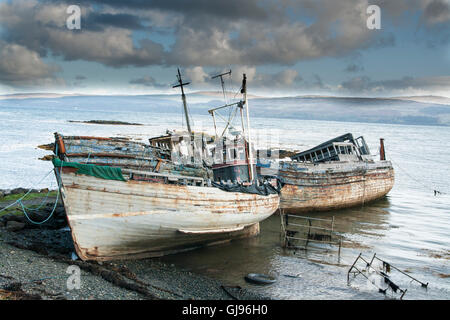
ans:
(286, 47)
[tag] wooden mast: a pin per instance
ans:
(183, 97)
(222, 83)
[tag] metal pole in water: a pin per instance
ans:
(382, 152)
(244, 91)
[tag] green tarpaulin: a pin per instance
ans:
(103, 172)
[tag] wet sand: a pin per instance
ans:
(34, 262)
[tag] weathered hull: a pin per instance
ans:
(133, 219)
(329, 186)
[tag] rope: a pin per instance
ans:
(58, 179)
(49, 216)
(416, 180)
(19, 201)
(89, 155)
(41, 205)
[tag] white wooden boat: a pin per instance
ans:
(112, 219)
(116, 210)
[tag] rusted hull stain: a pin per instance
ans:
(133, 219)
(324, 187)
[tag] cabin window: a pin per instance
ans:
(241, 154)
(224, 156)
(232, 154)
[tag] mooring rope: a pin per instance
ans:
(46, 219)
(40, 205)
(58, 181)
(24, 208)
(416, 180)
(18, 200)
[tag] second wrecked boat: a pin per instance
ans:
(339, 173)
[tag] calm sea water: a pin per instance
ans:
(410, 228)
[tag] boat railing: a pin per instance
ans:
(169, 178)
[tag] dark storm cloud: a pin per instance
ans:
(207, 33)
(282, 38)
(437, 11)
(98, 21)
(230, 9)
(204, 32)
(436, 22)
(210, 32)
(41, 27)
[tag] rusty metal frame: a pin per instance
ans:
(382, 274)
(425, 285)
(288, 234)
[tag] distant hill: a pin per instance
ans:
(426, 99)
(219, 94)
(412, 110)
(229, 94)
(35, 95)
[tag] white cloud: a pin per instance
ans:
(197, 75)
